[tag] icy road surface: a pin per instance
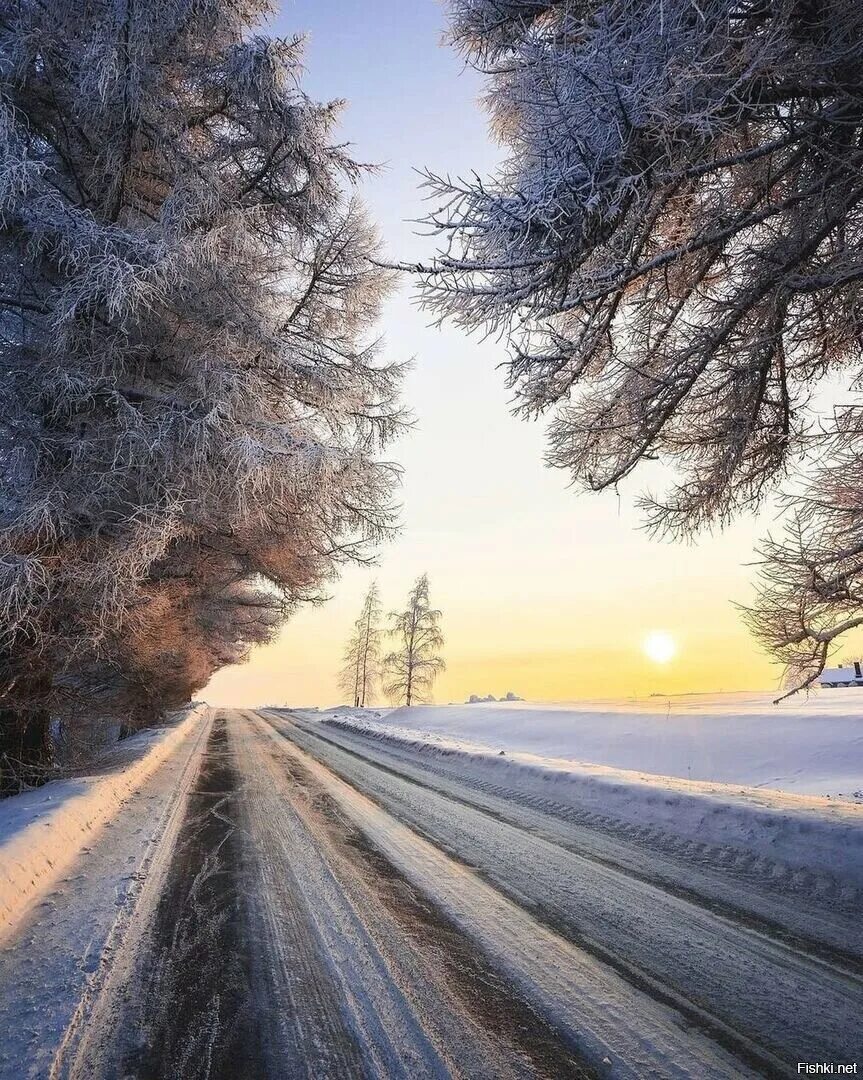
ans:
(330, 905)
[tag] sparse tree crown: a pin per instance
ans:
(412, 667)
(362, 658)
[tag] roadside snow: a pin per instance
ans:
(43, 831)
(809, 746)
(625, 767)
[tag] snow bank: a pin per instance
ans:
(809, 832)
(810, 746)
(43, 831)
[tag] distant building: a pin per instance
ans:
(844, 675)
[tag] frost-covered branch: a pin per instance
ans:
(673, 243)
(192, 400)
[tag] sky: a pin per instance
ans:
(545, 591)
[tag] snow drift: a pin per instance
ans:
(797, 829)
(43, 831)
(810, 746)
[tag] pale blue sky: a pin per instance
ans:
(544, 592)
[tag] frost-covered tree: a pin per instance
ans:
(196, 622)
(190, 406)
(673, 244)
(811, 580)
(361, 662)
(371, 636)
(350, 674)
(410, 670)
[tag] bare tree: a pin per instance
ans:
(362, 657)
(371, 636)
(674, 247)
(411, 669)
(350, 676)
(191, 410)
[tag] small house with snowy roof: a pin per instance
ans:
(849, 674)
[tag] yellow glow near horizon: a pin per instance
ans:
(659, 646)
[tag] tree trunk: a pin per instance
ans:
(366, 646)
(26, 749)
(411, 639)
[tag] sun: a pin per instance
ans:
(659, 646)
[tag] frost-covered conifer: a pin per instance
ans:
(412, 667)
(674, 245)
(361, 661)
(190, 408)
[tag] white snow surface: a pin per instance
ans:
(777, 782)
(809, 746)
(43, 831)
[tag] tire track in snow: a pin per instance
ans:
(200, 997)
(767, 896)
(424, 1000)
(763, 999)
(619, 1029)
(278, 945)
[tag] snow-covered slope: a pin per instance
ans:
(43, 831)
(808, 746)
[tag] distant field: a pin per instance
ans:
(810, 746)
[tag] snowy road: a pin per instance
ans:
(329, 905)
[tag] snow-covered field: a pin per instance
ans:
(808, 746)
(778, 783)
